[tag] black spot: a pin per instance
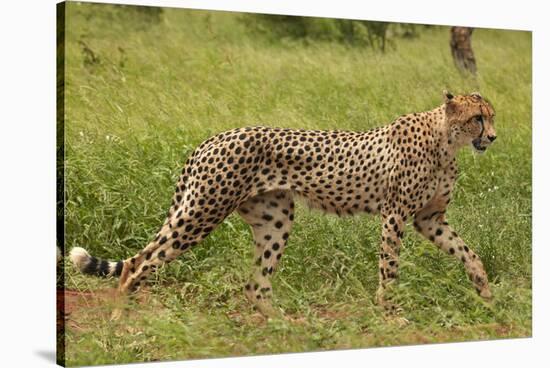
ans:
(452, 250)
(163, 240)
(275, 246)
(161, 254)
(267, 217)
(267, 254)
(438, 232)
(278, 224)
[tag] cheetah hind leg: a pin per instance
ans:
(270, 216)
(177, 235)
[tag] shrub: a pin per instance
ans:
(377, 35)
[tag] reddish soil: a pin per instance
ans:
(75, 300)
(70, 302)
(74, 305)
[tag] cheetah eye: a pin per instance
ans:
(479, 118)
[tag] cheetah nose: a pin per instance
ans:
(492, 137)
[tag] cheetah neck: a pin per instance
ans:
(446, 146)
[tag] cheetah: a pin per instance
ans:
(404, 170)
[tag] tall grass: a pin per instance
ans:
(142, 92)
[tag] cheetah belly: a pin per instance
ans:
(345, 188)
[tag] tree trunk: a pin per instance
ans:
(461, 48)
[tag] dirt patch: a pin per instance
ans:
(75, 300)
(72, 303)
(460, 333)
(255, 318)
(75, 306)
(340, 313)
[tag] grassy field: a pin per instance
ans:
(141, 93)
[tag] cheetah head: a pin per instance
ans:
(470, 120)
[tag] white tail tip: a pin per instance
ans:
(80, 257)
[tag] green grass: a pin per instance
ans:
(160, 88)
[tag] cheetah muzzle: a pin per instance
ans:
(402, 171)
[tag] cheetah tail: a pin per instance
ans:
(94, 266)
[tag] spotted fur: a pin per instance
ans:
(405, 170)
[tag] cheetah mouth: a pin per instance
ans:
(476, 143)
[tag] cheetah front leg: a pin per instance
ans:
(392, 232)
(430, 222)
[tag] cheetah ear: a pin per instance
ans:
(476, 95)
(448, 96)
